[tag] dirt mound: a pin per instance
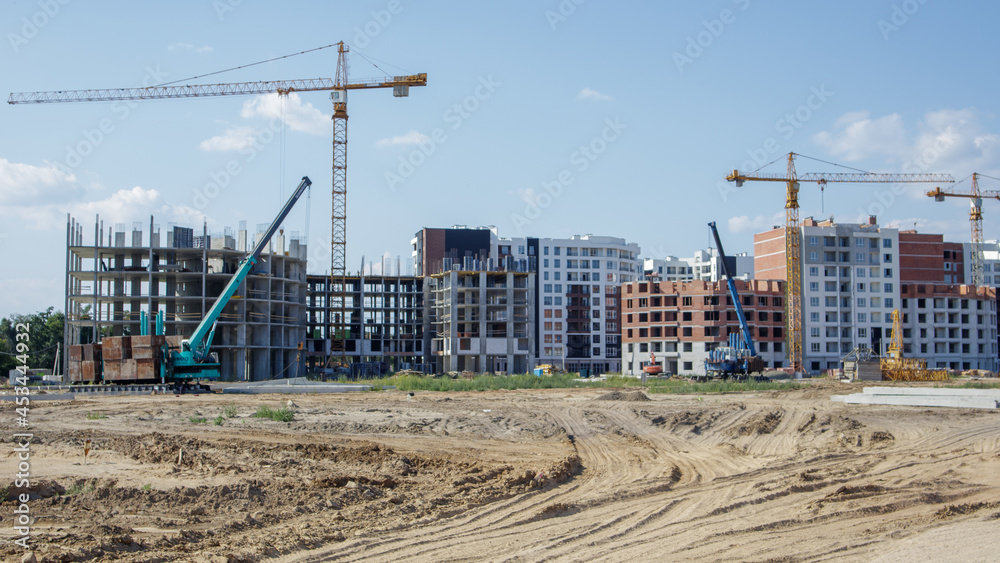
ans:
(760, 424)
(624, 396)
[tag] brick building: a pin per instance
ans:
(680, 322)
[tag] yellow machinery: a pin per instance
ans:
(897, 368)
(793, 248)
(975, 217)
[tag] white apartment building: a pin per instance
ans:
(579, 281)
(704, 265)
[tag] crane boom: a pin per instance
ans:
(198, 344)
(208, 90)
(793, 248)
(733, 293)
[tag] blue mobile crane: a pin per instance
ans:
(739, 359)
(194, 360)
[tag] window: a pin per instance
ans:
(520, 249)
(558, 288)
(814, 347)
(887, 258)
(814, 332)
(813, 286)
(861, 287)
(862, 333)
(887, 243)
(814, 301)
(888, 302)
(556, 252)
(762, 346)
(558, 301)
(862, 317)
(860, 272)
(545, 251)
(556, 275)
(813, 255)
(547, 300)
(814, 317)
(859, 242)
(687, 366)
(545, 274)
(688, 347)
(814, 270)
(887, 287)
(555, 262)
(859, 257)
(813, 241)
(887, 273)
(548, 288)
(862, 302)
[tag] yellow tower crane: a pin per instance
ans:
(337, 314)
(975, 217)
(895, 367)
(793, 243)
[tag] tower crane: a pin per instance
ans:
(793, 243)
(338, 86)
(975, 217)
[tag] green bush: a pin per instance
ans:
(198, 420)
(218, 420)
(280, 415)
(96, 415)
(230, 411)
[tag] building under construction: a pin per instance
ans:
(384, 326)
(116, 275)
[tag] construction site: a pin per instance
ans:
(533, 396)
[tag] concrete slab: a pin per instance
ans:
(933, 392)
(921, 401)
(299, 389)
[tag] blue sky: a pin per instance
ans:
(544, 118)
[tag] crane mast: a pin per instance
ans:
(975, 196)
(793, 237)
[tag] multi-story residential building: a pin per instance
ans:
(482, 321)
(578, 280)
(676, 324)
(110, 280)
(852, 277)
(704, 265)
(385, 316)
(954, 326)
(579, 296)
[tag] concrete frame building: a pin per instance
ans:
(482, 321)
(110, 280)
(387, 324)
(680, 322)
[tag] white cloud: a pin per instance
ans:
(413, 137)
(592, 95)
(528, 195)
(122, 206)
(944, 140)
(298, 116)
(746, 224)
(26, 184)
(234, 139)
(181, 46)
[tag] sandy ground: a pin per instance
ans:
(564, 475)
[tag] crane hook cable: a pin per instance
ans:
(248, 65)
